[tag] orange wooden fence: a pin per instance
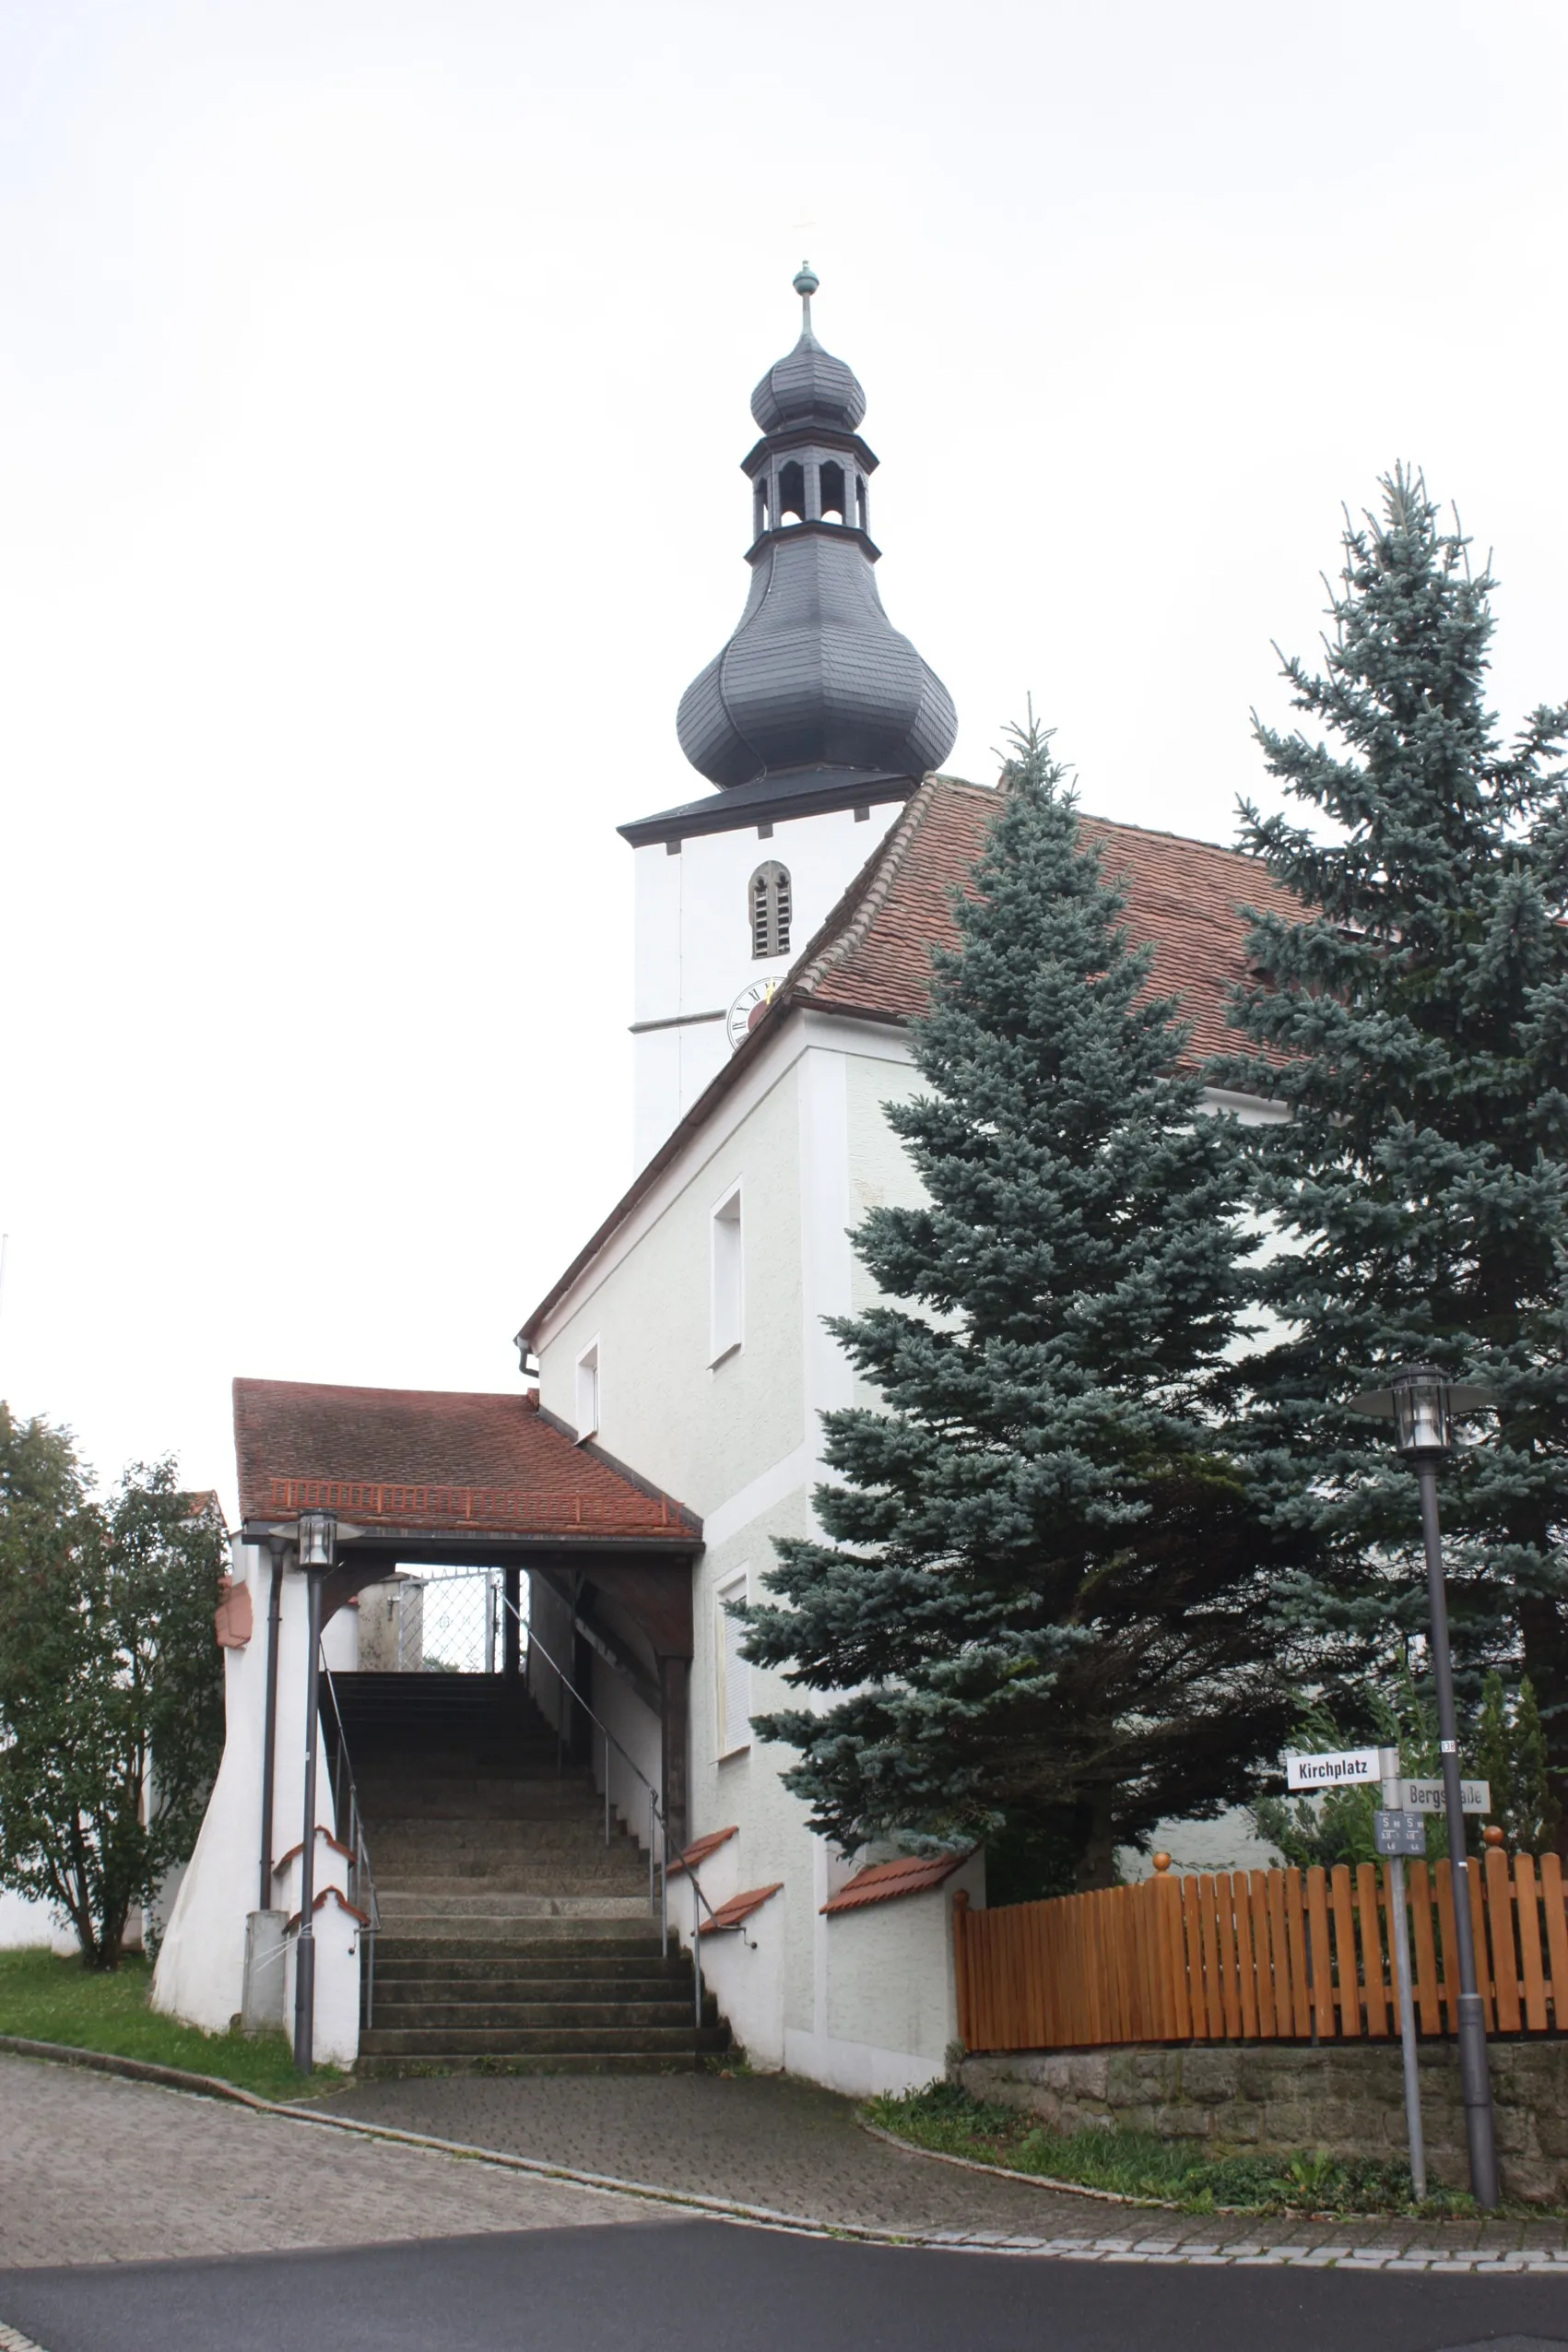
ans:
(1265, 1955)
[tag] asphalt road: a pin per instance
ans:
(687, 2287)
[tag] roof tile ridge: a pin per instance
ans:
(846, 926)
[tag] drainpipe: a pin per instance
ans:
(269, 1733)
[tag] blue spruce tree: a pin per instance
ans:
(1039, 1604)
(1417, 1027)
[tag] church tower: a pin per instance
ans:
(816, 721)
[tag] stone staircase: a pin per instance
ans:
(513, 1938)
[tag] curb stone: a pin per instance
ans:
(1478, 2261)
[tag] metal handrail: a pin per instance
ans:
(656, 1802)
(360, 1864)
(655, 1810)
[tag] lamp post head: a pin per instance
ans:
(318, 1539)
(1423, 1404)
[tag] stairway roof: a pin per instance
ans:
(437, 1462)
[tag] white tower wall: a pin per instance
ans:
(693, 947)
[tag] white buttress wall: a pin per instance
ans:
(201, 1968)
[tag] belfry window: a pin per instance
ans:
(861, 508)
(833, 491)
(769, 898)
(792, 490)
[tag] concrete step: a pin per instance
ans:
(612, 2017)
(437, 1969)
(554, 1885)
(547, 1818)
(606, 2061)
(554, 2041)
(552, 1944)
(472, 1797)
(401, 1905)
(486, 1934)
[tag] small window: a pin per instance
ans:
(726, 1278)
(732, 1673)
(862, 506)
(768, 899)
(792, 492)
(833, 491)
(588, 1392)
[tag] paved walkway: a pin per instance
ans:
(772, 2141)
(95, 2170)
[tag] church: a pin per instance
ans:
(567, 1848)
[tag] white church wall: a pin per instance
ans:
(696, 1428)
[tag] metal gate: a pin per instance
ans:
(434, 1621)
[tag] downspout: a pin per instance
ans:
(269, 1733)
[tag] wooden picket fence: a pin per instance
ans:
(1265, 1955)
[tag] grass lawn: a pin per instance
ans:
(47, 1999)
(1137, 2164)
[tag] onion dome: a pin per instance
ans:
(808, 385)
(815, 675)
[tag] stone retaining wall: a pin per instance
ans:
(1273, 2097)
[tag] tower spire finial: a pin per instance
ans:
(806, 284)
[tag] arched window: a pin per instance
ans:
(833, 491)
(769, 901)
(792, 492)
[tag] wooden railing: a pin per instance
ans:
(1265, 1955)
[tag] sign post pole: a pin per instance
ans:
(1399, 1950)
(1474, 2074)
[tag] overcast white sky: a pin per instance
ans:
(373, 381)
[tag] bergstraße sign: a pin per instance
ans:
(1426, 1796)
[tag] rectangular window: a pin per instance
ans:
(732, 1672)
(727, 1287)
(588, 1392)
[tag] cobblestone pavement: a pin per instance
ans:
(774, 2142)
(94, 2170)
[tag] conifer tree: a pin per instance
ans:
(1417, 1026)
(1038, 1606)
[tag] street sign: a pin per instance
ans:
(1426, 1796)
(1399, 1833)
(1348, 1768)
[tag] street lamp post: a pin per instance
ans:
(1423, 1403)
(318, 1545)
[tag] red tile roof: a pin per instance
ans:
(696, 1854)
(435, 1459)
(885, 1881)
(873, 955)
(872, 958)
(738, 1908)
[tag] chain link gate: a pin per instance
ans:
(433, 1621)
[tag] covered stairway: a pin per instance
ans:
(519, 1925)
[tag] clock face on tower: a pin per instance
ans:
(748, 1010)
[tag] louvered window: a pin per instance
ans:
(770, 897)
